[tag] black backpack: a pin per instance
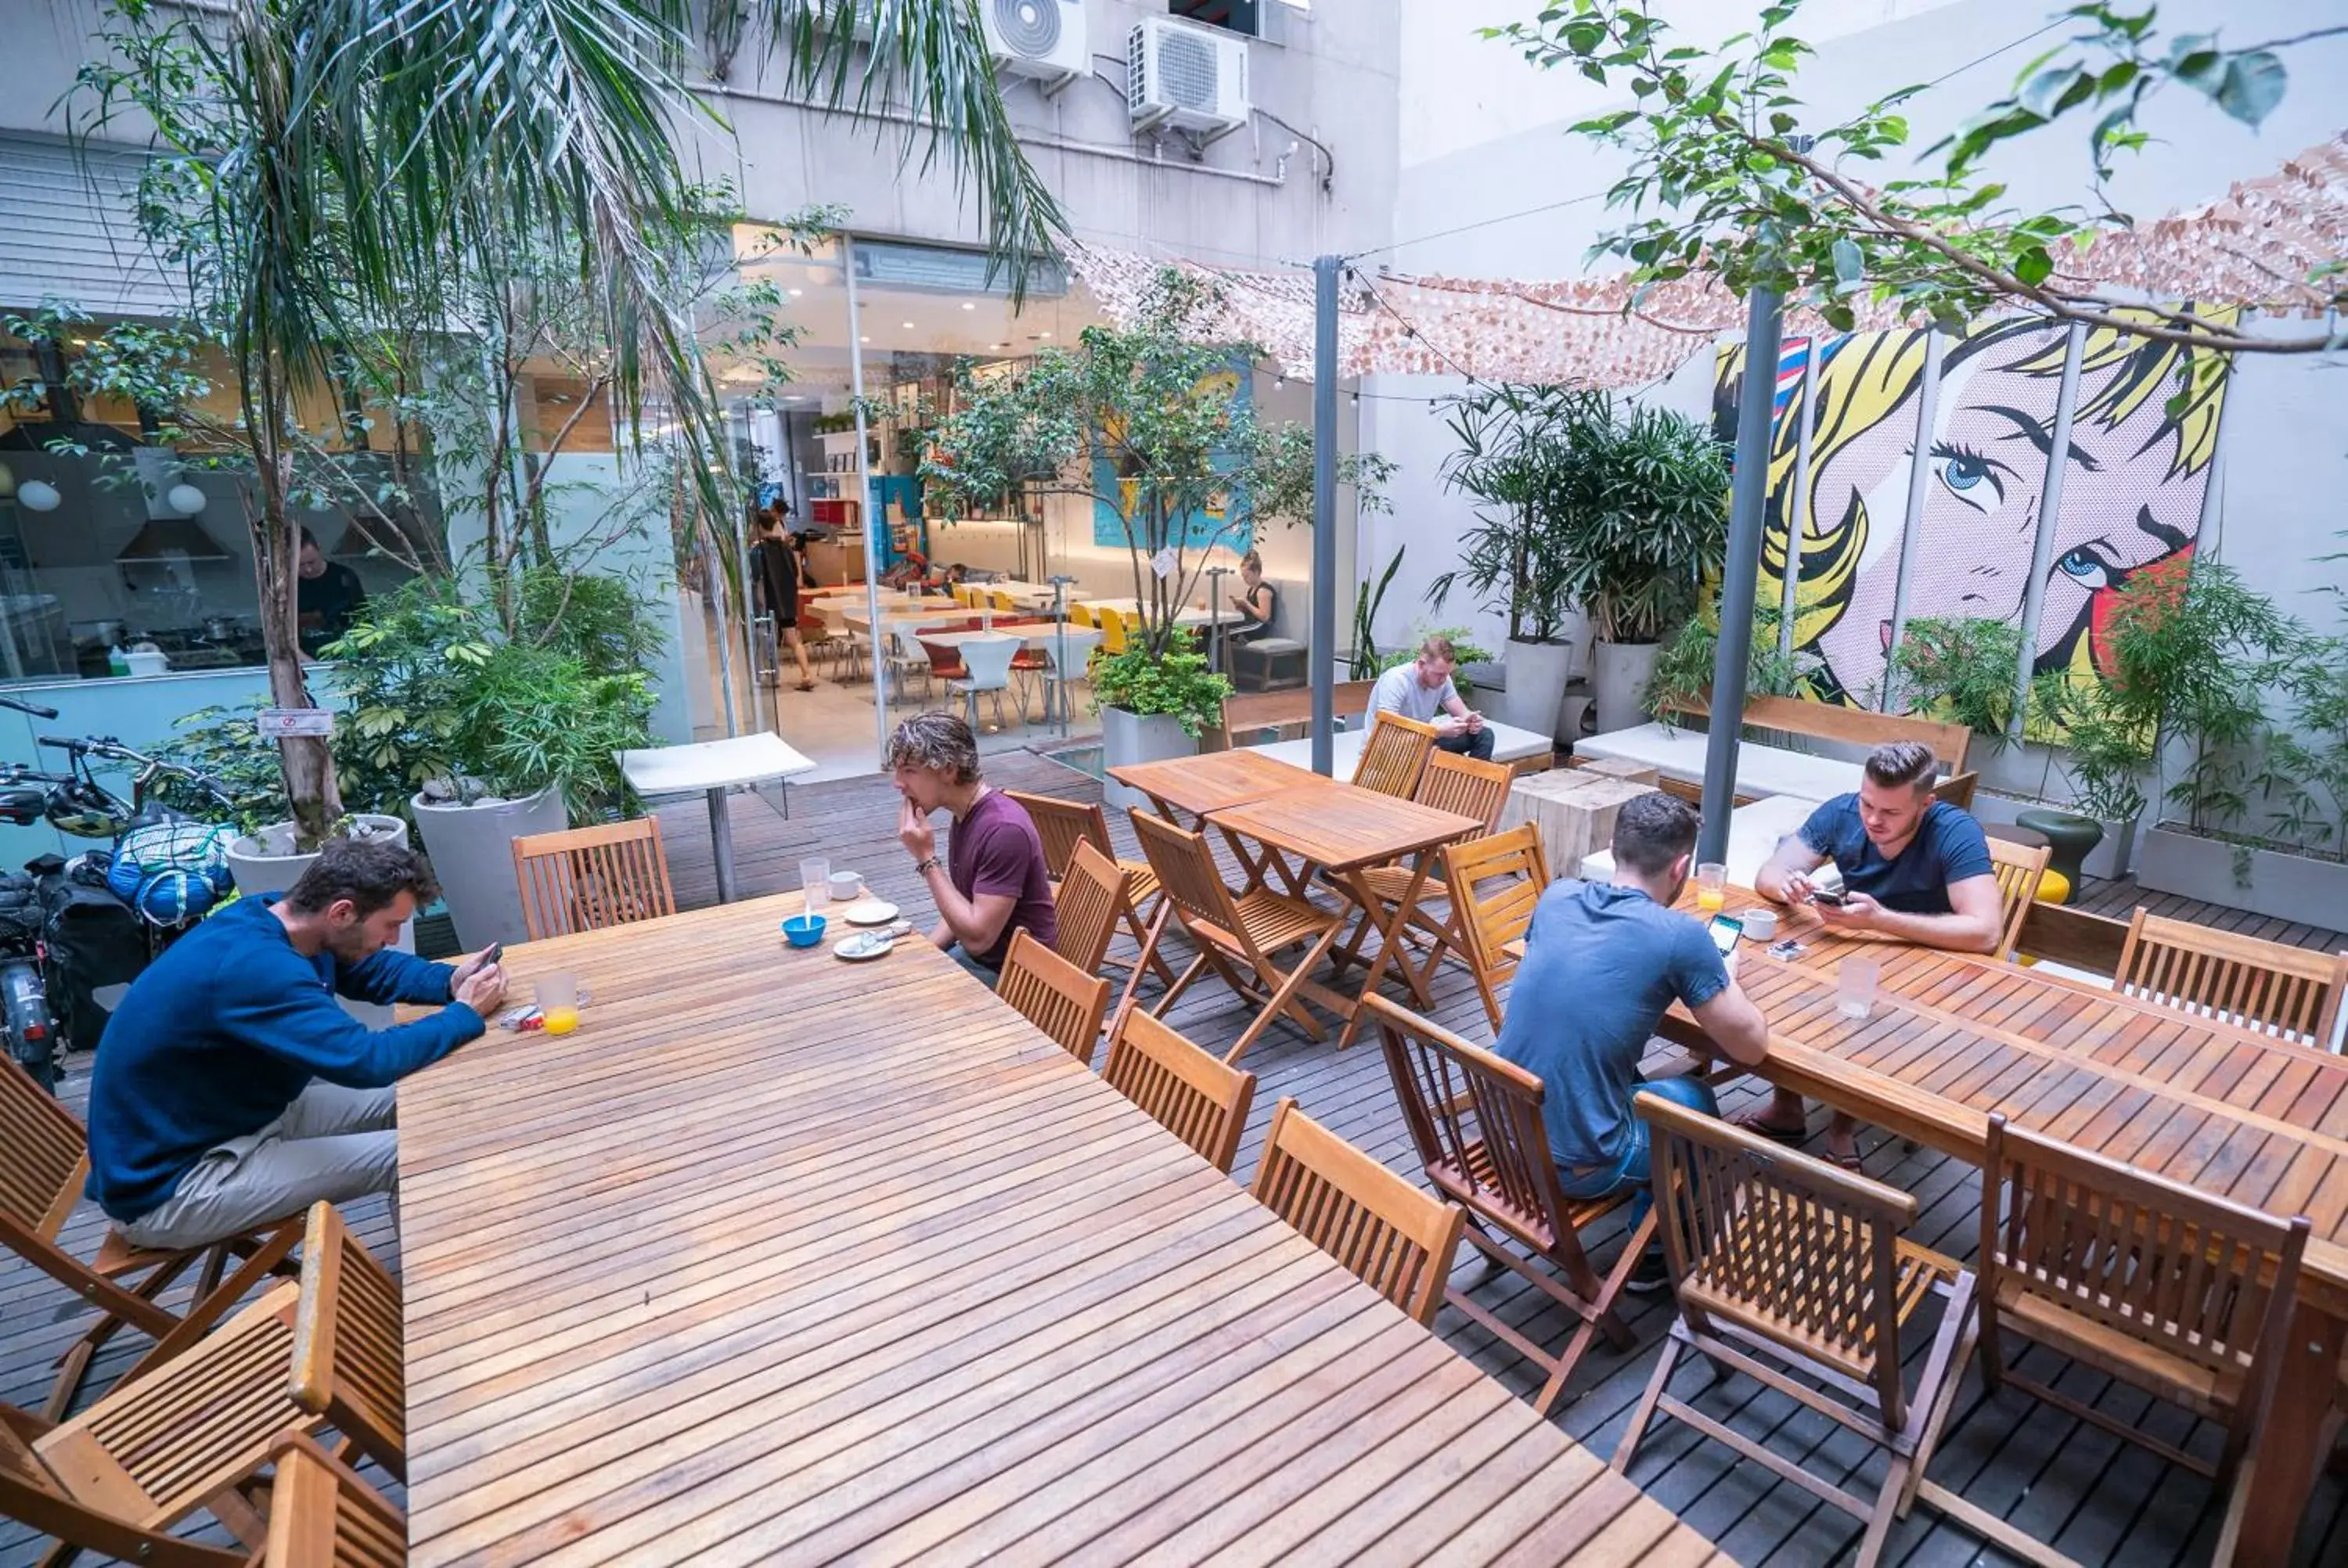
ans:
(95, 940)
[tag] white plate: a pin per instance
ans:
(872, 912)
(864, 947)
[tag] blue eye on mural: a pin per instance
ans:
(1961, 470)
(2092, 571)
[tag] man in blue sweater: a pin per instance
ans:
(233, 1089)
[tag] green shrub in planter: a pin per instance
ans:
(1178, 684)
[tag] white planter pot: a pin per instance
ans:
(1537, 674)
(471, 849)
(1621, 672)
(264, 863)
(1128, 738)
(2269, 882)
(1574, 632)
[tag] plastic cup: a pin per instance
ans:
(558, 1003)
(1855, 983)
(1711, 885)
(815, 875)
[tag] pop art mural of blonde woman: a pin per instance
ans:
(2136, 472)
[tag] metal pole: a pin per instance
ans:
(2050, 518)
(1325, 509)
(1919, 471)
(1749, 508)
(864, 507)
(1797, 505)
(1060, 581)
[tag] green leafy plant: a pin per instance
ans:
(536, 718)
(1366, 661)
(1463, 646)
(2305, 777)
(2104, 754)
(1512, 446)
(1142, 421)
(225, 744)
(1684, 669)
(1962, 671)
(1178, 684)
(1729, 173)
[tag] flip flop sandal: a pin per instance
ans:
(1849, 1161)
(1751, 1122)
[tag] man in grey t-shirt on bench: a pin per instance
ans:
(1421, 690)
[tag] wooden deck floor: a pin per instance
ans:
(2095, 1499)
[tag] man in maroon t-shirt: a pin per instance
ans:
(992, 880)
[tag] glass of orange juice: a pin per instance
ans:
(558, 1003)
(1711, 885)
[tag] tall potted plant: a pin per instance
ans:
(1152, 428)
(1512, 449)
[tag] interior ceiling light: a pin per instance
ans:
(908, 326)
(796, 293)
(970, 305)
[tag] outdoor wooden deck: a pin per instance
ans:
(2097, 1499)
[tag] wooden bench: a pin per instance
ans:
(1677, 755)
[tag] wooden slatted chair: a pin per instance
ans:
(321, 1514)
(1957, 789)
(2185, 1295)
(1393, 1237)
(1087, 902)
(348, 1363)
(590, 878)
(2263, 986)
(1188, 1091)
(1063, 824)
(1238, 936)
(193, 1434)
(1062, 1000)
(1393, 755)
(1737, 1211)
(31, 1495)
(44, 1160)
(1469, 788)
(1496, 881)
(1476, 1121)
(2019, 868)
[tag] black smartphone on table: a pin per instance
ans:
(1820, 895)
(1725, 929)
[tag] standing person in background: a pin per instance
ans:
(327, 596)
(775, 569)
(1421, 690)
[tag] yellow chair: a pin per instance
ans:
(962, 594)
(1082, 615)
(1004, 603)
(1112, 631)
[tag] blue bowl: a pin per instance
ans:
(803, 930)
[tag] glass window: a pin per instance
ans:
(1236, 15)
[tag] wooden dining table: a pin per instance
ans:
(779, 1259)
(1953, 1037)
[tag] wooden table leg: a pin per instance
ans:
(2271, 1498)
(1389, 941)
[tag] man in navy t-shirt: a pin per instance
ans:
(1911, 868)
(1602, 961)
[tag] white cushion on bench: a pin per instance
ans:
(1754, 832)
(1509, 745)
(1678, 753)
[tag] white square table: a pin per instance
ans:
(713, 768)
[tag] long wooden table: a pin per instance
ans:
(782, 1259)
(1953, 1037)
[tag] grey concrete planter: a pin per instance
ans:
(2269, 882)
(471, 848)
(1137, 738)
(1538, 673)
(1621, 672)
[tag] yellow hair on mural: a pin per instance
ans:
(2146, 368)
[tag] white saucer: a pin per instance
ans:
(863, 946)
(872, 912)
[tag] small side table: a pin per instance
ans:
(2073, 836)
(713, 768)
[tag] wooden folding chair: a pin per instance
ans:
(1488, 916)
(2185, 1295)
(44, 1160)
(1957, 789)
(192, 1434)
(1087, 902)
(588, 878)
(1063, 824)
(1189, 1092)
(1468, 788)
(1062, 1000)
(1235, 936)
(2019, 869)
(348, 1362)
(2263, 986)
(1393, 1237)
(1775, 1255)
(1393, 755)
(31, 1495)
(321, 1514)
(1476, 1121)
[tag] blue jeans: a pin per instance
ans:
(1634, 1169)
(962, 955)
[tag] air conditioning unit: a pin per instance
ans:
(1192, 78)
(1042, 38)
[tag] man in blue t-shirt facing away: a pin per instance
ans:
(1602, 962)
(1910, 867)
(234, 1089)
